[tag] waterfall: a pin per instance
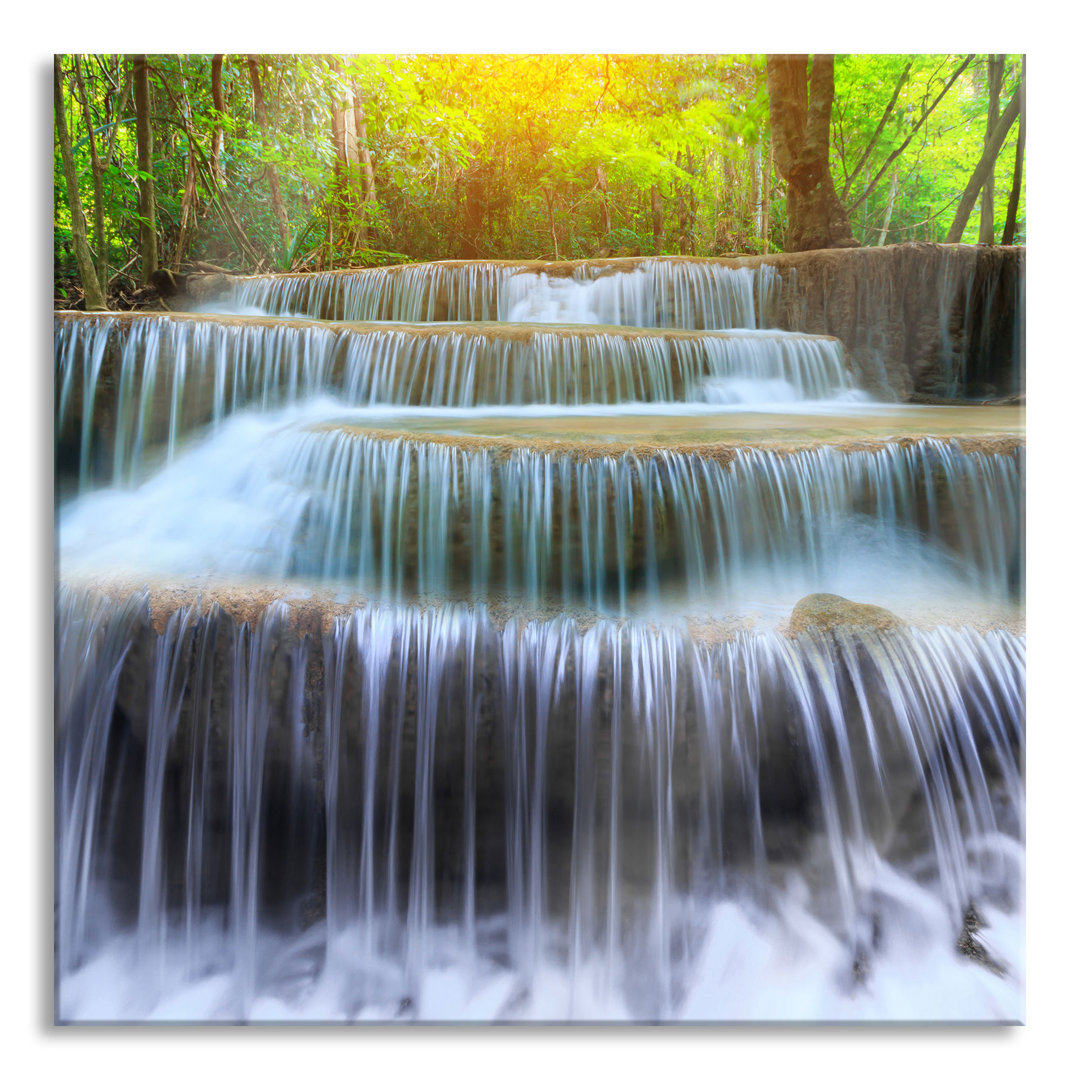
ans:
(314, 499)
(658, 292)
(939, 319)
(510, 797)
(447, 642)
(145, 383)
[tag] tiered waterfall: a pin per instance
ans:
(444, 667)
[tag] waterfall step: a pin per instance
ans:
(156, 380)
(938, 319)
(595, 791)
(598, 431)
(588, 525)
(671, 291)
(312, 607)
(144, 380)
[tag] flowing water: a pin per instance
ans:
(655, 292)
(442, 672)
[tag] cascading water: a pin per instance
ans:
(131, 385)
(444, 672)
(303, 494)
(656, 292)
(522, 804)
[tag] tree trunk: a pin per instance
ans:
(995, 69)
(188, 199)
(766, 201)
(800, 133)
(344, 201)
(367, 170)
(474, 215)
(271, 168)
(982, 170)
(144, 137)
(97, 172)
(605, 209)
(94, 296)
(682, 204)
(185, 210)
(871, 184)
(657, 204)
(755, 191)
(551, 220)
(732, 206)
(865, 156)
(217, 138)
(888, 212)
(1018, 169)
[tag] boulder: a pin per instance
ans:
(828, 612)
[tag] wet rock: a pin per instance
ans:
(970, 946)
(915, 318)
(201, 288)
(828, 612)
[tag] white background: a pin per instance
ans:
(30, 1043)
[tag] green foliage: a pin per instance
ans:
(509, 156)
(934, 168)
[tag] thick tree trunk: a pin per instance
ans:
(995, 69)
(94, 296)
(1018, 169)
(271, 168)
(144, 137)
(217, 138)
(800, 132)
(982, 170)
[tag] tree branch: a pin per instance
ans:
(877, 134)
(982, 170)
(904, 145)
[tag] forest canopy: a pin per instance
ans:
(287, 162)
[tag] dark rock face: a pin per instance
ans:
(939, 320)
